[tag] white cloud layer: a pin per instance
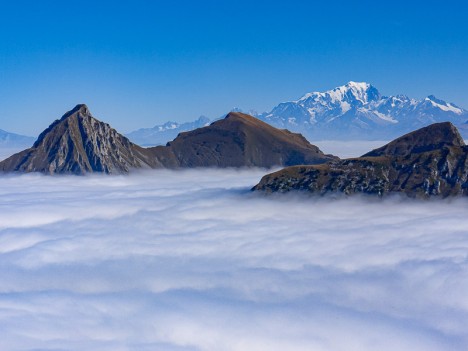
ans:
(191, 260)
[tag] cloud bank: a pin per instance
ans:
(191, 260)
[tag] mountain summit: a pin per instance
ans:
(79, 143)
(240, 140)
(359, 111)
(352, 94)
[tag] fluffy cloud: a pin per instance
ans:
(192, 260)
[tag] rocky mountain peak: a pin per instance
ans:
(80, 109)
(431, 161)
(241, 140)
(79, 143)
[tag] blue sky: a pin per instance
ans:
(139, 63)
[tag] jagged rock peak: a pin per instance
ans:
(81, 109)
(78, 143)
(429, 138)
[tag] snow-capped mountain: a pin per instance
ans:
(359, 111)
(355, 111)
(161, 134)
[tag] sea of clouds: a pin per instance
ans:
(192, 260)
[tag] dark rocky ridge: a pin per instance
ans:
(78, 144)
(429, 138)
(431, 161)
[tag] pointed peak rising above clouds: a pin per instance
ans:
(78, 143)
(81, 109)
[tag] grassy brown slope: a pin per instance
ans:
(240, 140)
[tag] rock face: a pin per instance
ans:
(431, 161)
(433, 137)
(78, 143)
(240, 140)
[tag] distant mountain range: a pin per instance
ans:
(359, 111)
(355, 111)
(12, 140)
(161, 134)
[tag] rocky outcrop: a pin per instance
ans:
(433, 137)
(239, 140)
(78, 143)
(431, 161)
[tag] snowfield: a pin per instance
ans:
(191, 260)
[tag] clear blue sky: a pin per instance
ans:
(139, 63)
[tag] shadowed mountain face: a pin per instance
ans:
(431, 161)
(78, 143)
(240, 140)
